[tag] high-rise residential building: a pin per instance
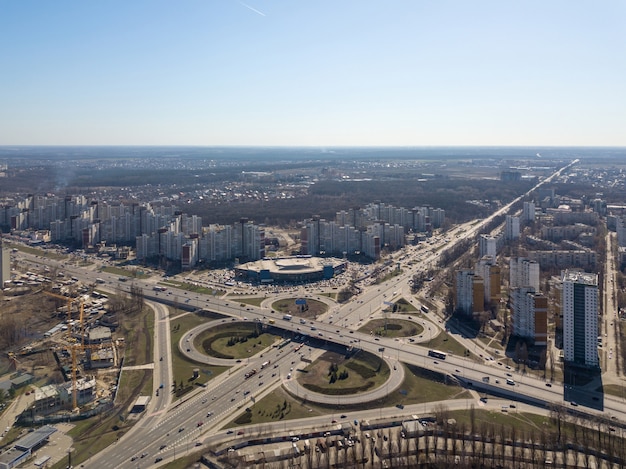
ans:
(490, 273)
(487, 246)
(523, 272)
(511, 228)
(530, 314)
(478, 294)
(5, 265)
(579, 305)
(437, 217)
(470, 292)
(620, 228)
(528, 212)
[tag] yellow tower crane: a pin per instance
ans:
(64, 298)
(74, 348)
(69, 311)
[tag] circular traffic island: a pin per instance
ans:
(301, 307)
(392, 328)
(337, 375)
(234, 340)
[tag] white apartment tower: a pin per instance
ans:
(487, 246)
(579, 305)
(528, 212)
(487, 268)
(511, 228)
(465, 290)
(523, 273)
(530, 314)
(5, 265)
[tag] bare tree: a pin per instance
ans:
(483, 440)
(492, 439)
(513, 445)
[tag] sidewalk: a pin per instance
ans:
(19, 404)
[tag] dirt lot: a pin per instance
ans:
(23, 318)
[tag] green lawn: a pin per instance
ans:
(192, 288)
(446, 343)
(392, 328)
(418, 387)
(183, 368)
(389, 276)
(403, 306)
(37, 252)
(251, 301)
(274, 407)
(124, 272)
(365, 372)
(234, 340)
(288, 305)
(522, 422)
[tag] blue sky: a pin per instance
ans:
(314, 73)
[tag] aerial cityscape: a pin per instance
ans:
(275, 234)
(472, 317)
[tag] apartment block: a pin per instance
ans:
(579, 305)
(530, 314)
(523, 272)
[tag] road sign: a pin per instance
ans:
(300, 301)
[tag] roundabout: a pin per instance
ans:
(197, 337)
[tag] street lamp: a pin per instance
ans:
(69, 457)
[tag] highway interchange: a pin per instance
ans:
(169, 429)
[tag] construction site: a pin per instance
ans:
(66, 351)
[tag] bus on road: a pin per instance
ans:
(437, 354)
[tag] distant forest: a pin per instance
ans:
(328, 197)
(462, 199)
